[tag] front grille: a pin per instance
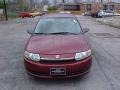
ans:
(41, 74)
(57, 59)
(54, 60)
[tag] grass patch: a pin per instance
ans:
(12, 15)
(53, 11)
(72, 12)
(2, 18)
(76, 12)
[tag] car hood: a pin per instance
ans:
(57, 44)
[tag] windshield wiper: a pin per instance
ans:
(64, 33)
(41, 33)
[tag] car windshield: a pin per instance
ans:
(58, 26)
(108, 11)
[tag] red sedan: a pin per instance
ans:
(25, 14)
(58, 48)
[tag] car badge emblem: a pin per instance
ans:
(57, 56)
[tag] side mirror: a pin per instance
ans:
(85, 30)
(30, 31)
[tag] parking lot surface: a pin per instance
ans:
(104, 74)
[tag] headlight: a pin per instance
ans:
(32, 56)
(82, 55)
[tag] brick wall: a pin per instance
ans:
(96, 6)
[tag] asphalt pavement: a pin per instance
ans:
(104, 74)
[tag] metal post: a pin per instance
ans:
(102, 4)
(5, 9)
(64, 1)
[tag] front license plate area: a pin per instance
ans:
(57, 71)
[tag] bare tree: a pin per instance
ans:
(55, 2)
(45, 2)
(20, 4)
(64, 1)
(31, 4)
(77, 1)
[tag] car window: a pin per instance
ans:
(57, 25)
(108, 11)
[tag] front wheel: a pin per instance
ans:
(32, 16)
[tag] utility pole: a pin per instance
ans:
(63, 2)
(5, 10)
(101, 4)
(55, 2)
(31, 4)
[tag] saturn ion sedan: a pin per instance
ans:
(58, 48)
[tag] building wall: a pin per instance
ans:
(93, 6)
(89, 7)
(117, 7)
(82, 7)
(72, 7)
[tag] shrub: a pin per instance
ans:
(52, 8)
(1, 4)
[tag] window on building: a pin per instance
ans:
(111, 7)
(89, 7)
(105, 7)
(71, 7)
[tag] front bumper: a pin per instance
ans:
(73, 69)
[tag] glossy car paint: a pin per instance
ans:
(66, 46)
(74, 69)
(25, 14)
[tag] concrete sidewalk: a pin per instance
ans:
(111, 21)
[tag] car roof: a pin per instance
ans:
(58, 15)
